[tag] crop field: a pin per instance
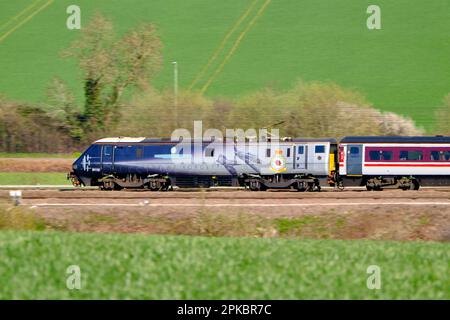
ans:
(33, 178)
(175, 267)
(229, 48)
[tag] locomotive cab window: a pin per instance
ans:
(107, 151)
(268, 153)
(320, 149)
(288, 152)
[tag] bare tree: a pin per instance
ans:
(111, 65)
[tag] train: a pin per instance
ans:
(302, 164)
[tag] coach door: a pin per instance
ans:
(300, 156)
(107, 158)
(354, 159)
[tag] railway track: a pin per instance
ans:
(242, 195)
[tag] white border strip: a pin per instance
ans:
(143, 204)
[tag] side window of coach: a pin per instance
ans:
(320, 149)
(411, 155)
(440, 155)
(387, 155)
(375, 155)
(380, 155)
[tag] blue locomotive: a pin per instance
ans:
(161, 164)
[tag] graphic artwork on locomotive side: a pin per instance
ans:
(302, 164)
(161, 164)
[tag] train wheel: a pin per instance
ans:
(108, 185)
(255, 185)
(415, 184)
(167, 186)
(301, 186)
(374, 184)
(154, 185)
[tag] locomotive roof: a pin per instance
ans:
(396, 139)
(162, 140)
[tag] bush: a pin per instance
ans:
(153, 113)
(18, 218)
(443, 117)
(25, 128)
(317, 110)
(307, 110)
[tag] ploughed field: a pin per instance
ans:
(41, 169)
(62, 165)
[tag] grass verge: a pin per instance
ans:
(39, 155)
(19, 218)
(33, 178)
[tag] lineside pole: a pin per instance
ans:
(175, 90)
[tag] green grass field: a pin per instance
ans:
(403, 68)
(33, 178)
(176, 267)
(39, 155)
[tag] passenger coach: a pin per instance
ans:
(403, 162)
